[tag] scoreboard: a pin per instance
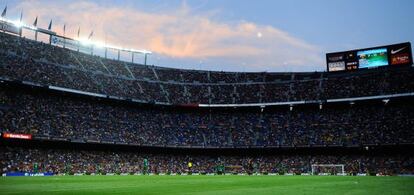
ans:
(390, 55)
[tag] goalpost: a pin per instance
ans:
(326, 169)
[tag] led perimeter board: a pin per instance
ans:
(389, 55)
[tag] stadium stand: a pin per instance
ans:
(150, 106)
(46, 115)
(28, 60)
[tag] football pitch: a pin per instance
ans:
(206, 185)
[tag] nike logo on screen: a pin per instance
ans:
(396, 51)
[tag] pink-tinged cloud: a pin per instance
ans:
(181, 34)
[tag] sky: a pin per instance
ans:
(228, 35)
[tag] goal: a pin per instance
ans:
(328, 169)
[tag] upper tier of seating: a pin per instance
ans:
(41, 63)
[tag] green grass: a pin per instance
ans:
(206, 185)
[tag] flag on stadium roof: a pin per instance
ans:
(50, 25)
(90, 35)
(3, 14)
(35, 22)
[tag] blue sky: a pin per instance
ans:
(232, 35)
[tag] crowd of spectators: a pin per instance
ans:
(64, 161)
(41, 63)
(78, 119)
(75, 118)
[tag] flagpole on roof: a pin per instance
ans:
(89, 38)
(106, 48)
(50, 25)
(21, 19)
(35, 22)
(3, 14)
(64, 33)
(90, 35)
(78, 32)
(78, 38)
(50, 28)
(35, 25)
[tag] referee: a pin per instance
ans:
(190, 166)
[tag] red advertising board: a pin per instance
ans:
(16, 136)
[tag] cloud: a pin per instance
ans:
(181, 35)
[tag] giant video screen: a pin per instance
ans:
(372, 58)
(382, 56)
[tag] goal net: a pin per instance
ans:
(328, 169)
